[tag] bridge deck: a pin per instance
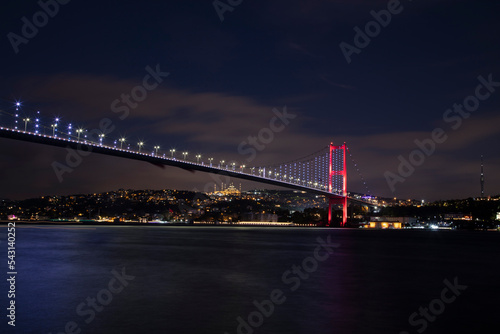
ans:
(159, 161)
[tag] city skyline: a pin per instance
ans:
(218, 83)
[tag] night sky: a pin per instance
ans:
(226, 77)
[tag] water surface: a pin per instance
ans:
(201, 279)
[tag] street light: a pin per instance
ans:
(184, 154)
(78, 132)
(101, 136)
(156, 149)
(198, 158)
(122, 140)
(210, 159)
(140, 144)
(54, 126)
(172, 151)
(234, 165)
(26, 120)
(221, 163)
(243, 168)
(37, 120)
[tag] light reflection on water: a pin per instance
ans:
(201, 279)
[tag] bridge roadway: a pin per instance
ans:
(159, 161)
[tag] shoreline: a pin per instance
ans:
(153, 224)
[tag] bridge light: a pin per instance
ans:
(198, 156)
(185, 155)
(122, 140)
(79, 132)
(54, 126)
(172, 151)
(210, 159)
(140, 144)
(26, 120)
(156, 149)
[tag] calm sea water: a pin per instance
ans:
(202, 279)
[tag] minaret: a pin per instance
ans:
(482, 178)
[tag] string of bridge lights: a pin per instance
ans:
(309, 171)
(359, 172)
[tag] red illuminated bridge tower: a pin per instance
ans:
(337, 180)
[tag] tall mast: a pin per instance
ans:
(482, 178)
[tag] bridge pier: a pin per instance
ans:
(336, 200)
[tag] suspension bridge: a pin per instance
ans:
(322, 172)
